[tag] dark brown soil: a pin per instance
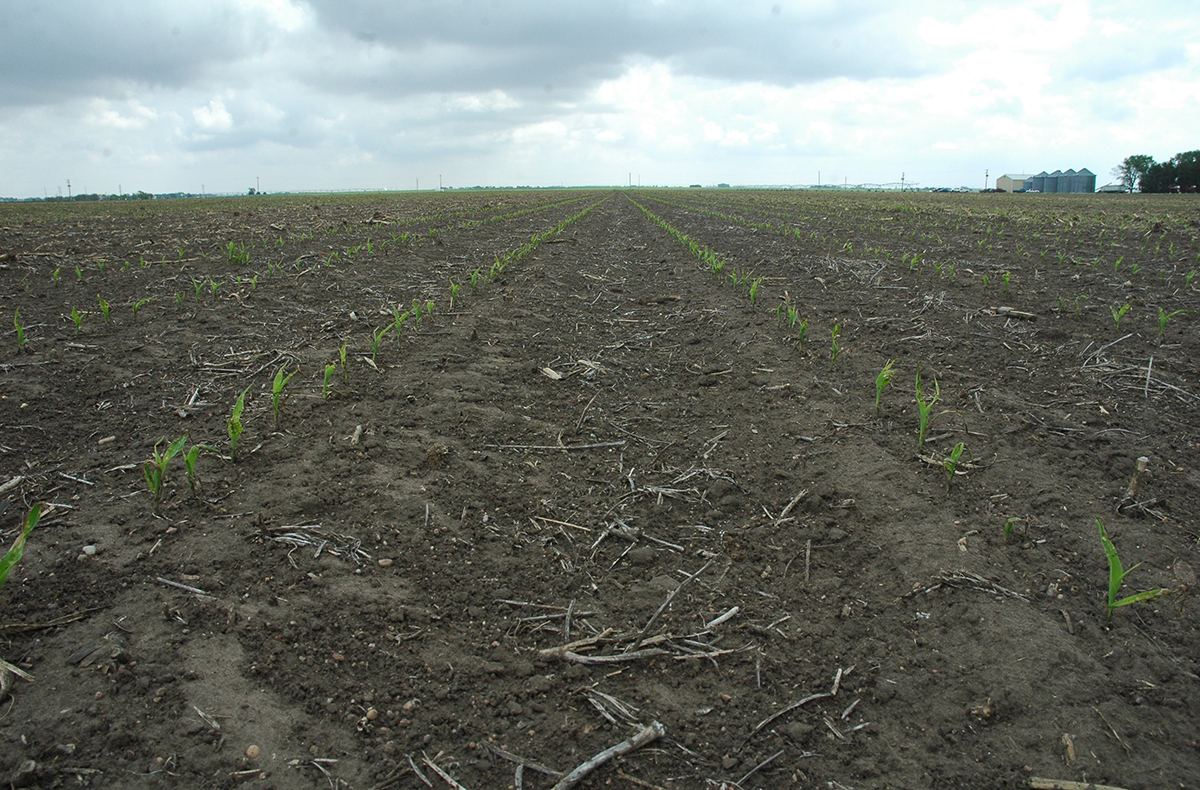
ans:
(605, 445)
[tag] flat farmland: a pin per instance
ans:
(778, 489)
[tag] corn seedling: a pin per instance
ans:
(78, 274)
(1187, 278)
(189, 462)
(925, 407)
(13, 555)
(1006, 277)
(342, 359)
(1078, 299)
(985, 281)
(155, 470)
(800, 328)
(399, 319)
(237, 253)
(882, 380)
(198, 284)
(54, 276)
(77, 317)
(21, 339)
(330, 369)
(277, 396)
(233, 425)
(1118, 262)
(1163, 318)
(835, 349)
(1117, 574)
(1119, 313)
(179, 299)
(1010, 524)
(950, 462)
(139, 304)
(104, 307)
(754, 285)
(377, 338)
(475, 280)
(453, 292)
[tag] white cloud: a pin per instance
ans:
(213, 117)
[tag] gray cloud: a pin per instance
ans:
(58, 49)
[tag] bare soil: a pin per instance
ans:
(602, 489)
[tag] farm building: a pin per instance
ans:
(1011, 183)
(1082, 182)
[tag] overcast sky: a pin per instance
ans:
(167, 96)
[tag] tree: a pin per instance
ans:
(1133, 169)
(1180, 174)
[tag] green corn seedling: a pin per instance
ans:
(1117, 574)
(985, 281)
(1187, 278)
(925, 408)
(835, 349)
(754, 285)
(1163, 318)
(77, 317)
(179, 299)
(800, 328)
(1005, 277)
(78, 274)
(1119, 313)
(475, 281)
(330, 369)
(377, 337)
(342, 359)
(155, 470)
(1010, 524)
(233, 425)
(189, 462)
(453, 293)
(21, 339)
(950, 462)
(139, 304)
(54, 276)
(277, 396)
(399, 319)
(1118, 262)
(882, 380)
(14, 553)
(104, 307)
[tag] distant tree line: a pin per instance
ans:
(1180, 173)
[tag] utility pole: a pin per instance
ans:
(257, 186)
(985, 178)
(439, 183)
(68, 189)
(418, 185)
(902, 182)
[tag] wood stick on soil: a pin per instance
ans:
(807, 559)
(450, 780)
(1038, 783)
(756, 768)
(179, 586)
(519, 760)
(788, 709)
(1131, 492)
(790, 505)
(593, 446)
(653, 732)
(638, 642)
(567, 655)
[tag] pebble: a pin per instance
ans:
(385, 563)
(372, 714)
(90, 550)
(253, 751)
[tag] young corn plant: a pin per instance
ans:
(835, 349)
(189, 462)
(233, 425)
(754, 285)
(13, 555)
(54, 276)
(1117, 574)
(377, 338)
(1163, 318)
(453, 293)
(21, 339)
(277, 396)
(925, 408)
(882, 381)
(77, 317)
(139, 304)
(155, 469)
(342, 360)
(330, 369)
(950, 463)
(104, 308)
(1119, 313)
